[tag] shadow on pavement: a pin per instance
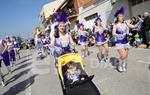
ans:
(22, 86)
(24, 61)
(114, 61)
(15, 77)
(22, 66)
(26, 56)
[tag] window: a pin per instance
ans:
(139, 1)
(91, 17)
(135, 2)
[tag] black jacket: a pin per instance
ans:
(146, 24)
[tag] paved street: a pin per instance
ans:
(39, 77)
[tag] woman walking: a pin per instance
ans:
(83, 40)
(120, 32)
(4, 54)
(11, 51)
(101, 41)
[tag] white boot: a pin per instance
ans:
(14, 63)
(2, 83)
(83, 54)
(9, 69)
(124, 66)
(11, 63)
(120, 69)
(102, 58)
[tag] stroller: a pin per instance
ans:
(80, 87)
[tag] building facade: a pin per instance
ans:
(89, 9)
(46, 14)
(71, 8)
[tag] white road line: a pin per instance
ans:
(141, 61)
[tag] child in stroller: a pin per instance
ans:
(73, 73)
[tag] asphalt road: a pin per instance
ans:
(39, 77)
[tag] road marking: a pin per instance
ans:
(141, 61)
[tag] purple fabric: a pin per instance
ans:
(79, 25)
(83, 38)
(61, 17)
(5, 56)
(100, 36)
(120, 11)
(64, 45)
(122, 32)
(97, 18)
(16, 45)
(12, 55)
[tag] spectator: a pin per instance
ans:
(133, 31)
(139, 27)
(146, 29)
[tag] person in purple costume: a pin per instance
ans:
(101, 41)
(11, 51)
(4, 54)
(61, 40)
(120, 29)
(16, 46)
(83, 40)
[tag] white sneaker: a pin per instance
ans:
(107, 60)
(124, 67)
(11, 65)
(120, 69)
(2, 83)
(82, 56)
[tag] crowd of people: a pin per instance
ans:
(9, 48)
(140, 35)
(62, 40)
(122, 34)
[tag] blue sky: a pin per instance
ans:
(19, 17)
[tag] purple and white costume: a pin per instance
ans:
(45, 42)
(64, 46)
(5, 55)
(16, 45)
(100, 38)
(121, 37)
(11, 51)
(83, 38)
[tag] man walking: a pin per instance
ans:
(146, 29)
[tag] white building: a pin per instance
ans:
(107, 8)
(47, 11)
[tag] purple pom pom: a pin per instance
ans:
(80, 24)
(120, 11)
(98, 18)
(61, 17)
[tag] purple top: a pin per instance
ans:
(100, 35)
(83, 37)
(121, 32)
(64, 45)
(2, 45)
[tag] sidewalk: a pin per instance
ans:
(47, 81)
